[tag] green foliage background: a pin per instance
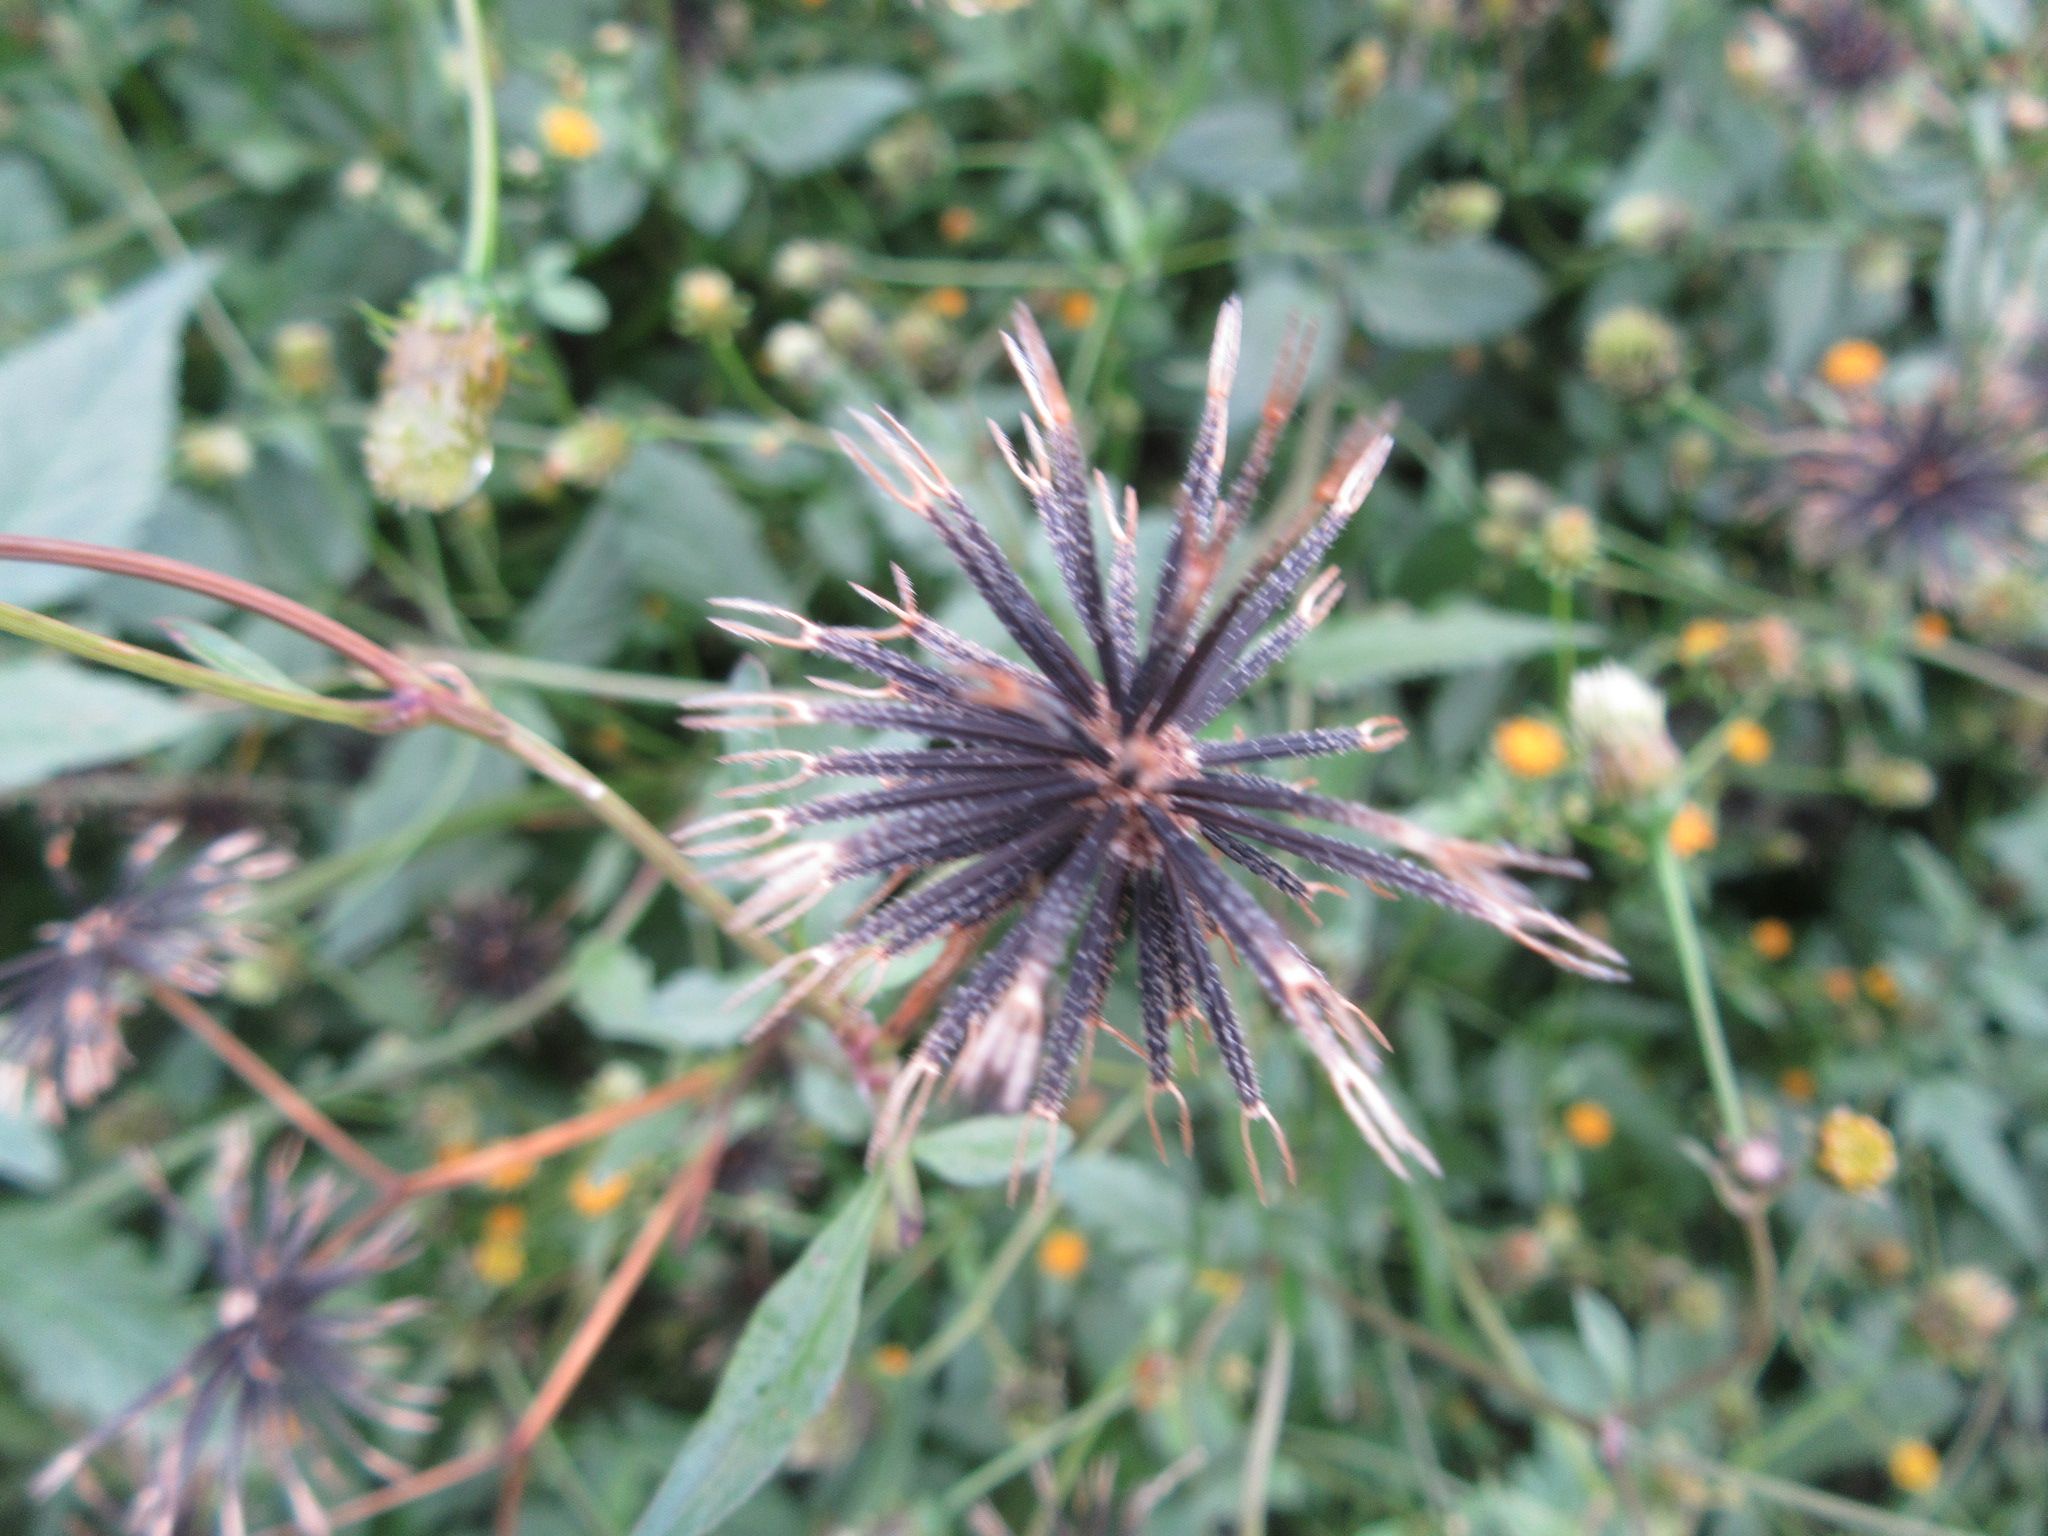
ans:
(178, 183)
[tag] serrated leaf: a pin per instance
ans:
(1413, 295)
(684, 534)
(1963, 1123)
(811, 121)
(61, 716)
(89, 411)
(85, 1321)
(983, 1150)
(789, 1358)
(1395, 645)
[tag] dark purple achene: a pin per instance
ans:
(1077, 798)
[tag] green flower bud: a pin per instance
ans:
(797, 355)
(809, 266)
(1634, 353)
(848, 326)
(706, 303)
(302, 356)
(216, 452)
(1458, 210)
(587, 452)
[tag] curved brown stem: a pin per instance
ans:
(1759, 1327)
(388, 667)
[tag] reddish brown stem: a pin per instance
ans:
(438, 1478)
(282, 1096)
(677, 1214)
(537, 1146)
(387, 666)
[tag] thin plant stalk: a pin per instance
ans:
(365, 715)
(1699, 992)
(480, 234)
(292, 1105)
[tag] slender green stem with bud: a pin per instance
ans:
(1699, 992)
(480, 234)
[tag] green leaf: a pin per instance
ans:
(693, 1010)
(1640, 28)
(224, 653)
(788, 1359)
(1130, 1205)
(29, 1154)
(1412, 295)
(85, 1322)
(1963, 1123)
(1394, 645)
(983, 1150)
(89, 412)
(811, 121)
(1242, 150)
(1606, 1335)
(61, 716)
(683, 533)
(582, 611)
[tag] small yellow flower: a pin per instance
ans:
(1856, 1152)
(1589, 1124)
(1880, 986)
(1798, 1084)
(1530, 748)
(1077, 308)
(504, 1224)
(1915, 1466)
(1748, 742)
(594, 1194)
(947, 303)
(1932, 629)
(957, 224)
(1219, 1284)
(1702, 638)
(1839, 983)
(1063, 1254)
(1771, 938)
(891, 1360)
(570, 133)
(512, 1176)
(1692, 830)
(1853, 364)
(499, 1263)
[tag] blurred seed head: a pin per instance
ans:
(797, 355)
(1943, 492)
(1844, 46)
(176, 925)
(427, 446)
(1962, 1313)
(1619, 722)
(1361, 74)
(849, 328)
(493, 947)
(287, 1371)
(910, 157)
(1649, 222)
(1856, 1152)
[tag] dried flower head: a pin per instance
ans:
(1942, 492)
(1619, 722)
(1844, 46)
(287, 1368)
(427, 444)
(492, 947)
(1076, 798)
(62, 1004)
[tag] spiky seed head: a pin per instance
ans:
(1065, 806)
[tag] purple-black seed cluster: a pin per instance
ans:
(1073, 796)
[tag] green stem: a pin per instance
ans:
(480, 235)
(1699, 992)
(1105, 1405)
(1567, 652)
(365, 715)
